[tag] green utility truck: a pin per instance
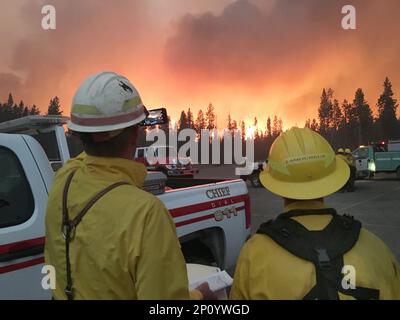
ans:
(380, 157)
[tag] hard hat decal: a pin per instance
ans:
(311, 157)
(131, 104)
(106, 121)
(125, 86)
(85, 109)
(279, 167)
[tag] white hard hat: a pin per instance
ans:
(105, 102)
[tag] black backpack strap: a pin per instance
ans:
(289, 235)
(361, 293)
(69, 226)
(299, 241)
(66, 231)
(323, 248)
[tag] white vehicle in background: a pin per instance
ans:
(383, 156)
(212, 218)
(168, 161)
(361, 162)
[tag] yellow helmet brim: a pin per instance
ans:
(311, 189)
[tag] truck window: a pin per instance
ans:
(49, 144)
(361, 152)
(380, 148)
(16, 200)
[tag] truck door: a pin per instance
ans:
(361, 159)
(23, 198)
(361, 164)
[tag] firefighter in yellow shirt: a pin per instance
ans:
(105, 236)
(309, 251)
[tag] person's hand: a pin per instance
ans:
(205, 290)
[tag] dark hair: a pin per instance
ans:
(110, 148)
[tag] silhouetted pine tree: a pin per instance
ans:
(387, 107)
(365, 120)
(54, 107)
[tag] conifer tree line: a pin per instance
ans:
(10, 109)
(345, 124)
(351, 123)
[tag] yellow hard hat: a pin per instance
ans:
(302, 165)
(340, 150)
(347, 150)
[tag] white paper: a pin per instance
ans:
(217, 281)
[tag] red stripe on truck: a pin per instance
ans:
(20, 245)
(202, 218)
(5, 248)
(182, 223)
(21, 265)
(183, 211)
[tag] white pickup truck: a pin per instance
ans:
(212, 219)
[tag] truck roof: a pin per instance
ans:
(31, 122)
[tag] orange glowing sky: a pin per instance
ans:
(247, 57)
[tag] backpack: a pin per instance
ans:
(324, 248)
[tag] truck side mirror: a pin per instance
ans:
(155, 117)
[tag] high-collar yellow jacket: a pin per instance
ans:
(125, 247)
(267, 271)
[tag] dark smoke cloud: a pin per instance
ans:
(248, 44)
(275, 54)
(90, 36)
(293, 43)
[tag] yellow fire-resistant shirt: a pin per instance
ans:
(267, 271)
(125, 247)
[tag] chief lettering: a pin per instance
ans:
(218, 193)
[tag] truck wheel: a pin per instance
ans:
(255, 180)
(398, 173)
